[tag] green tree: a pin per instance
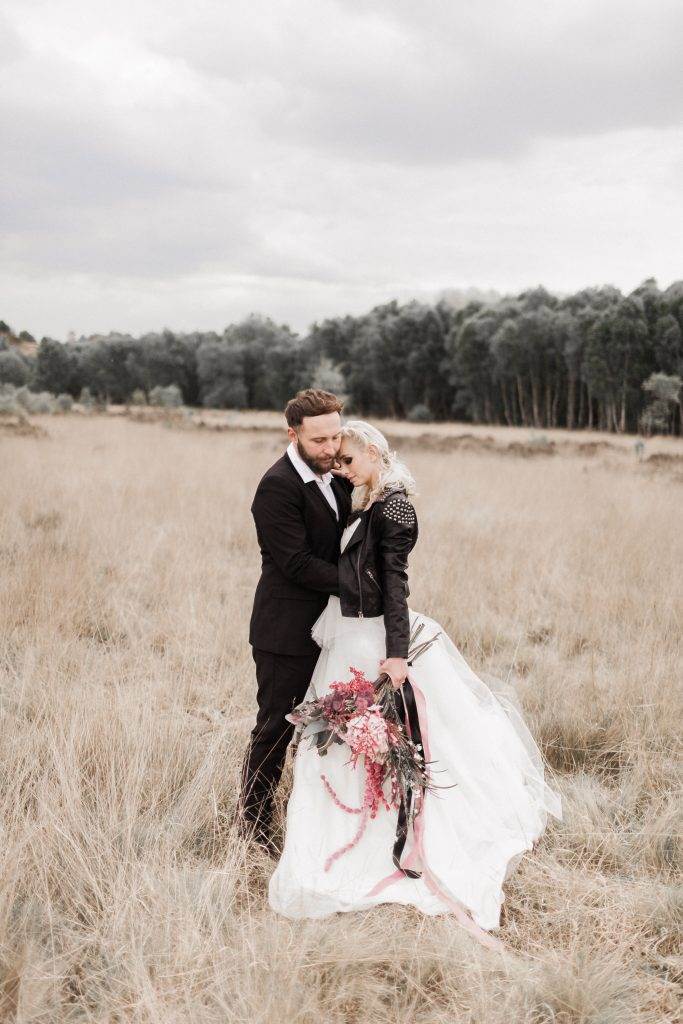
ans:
(107, 367)
(164, 359)
(56, 368)
(472, 365)
(511, 368)
(668, 344)
(220, 371)
(272, 360)
(614, 362)
(665, 408)
(13, 368)
(419, 334)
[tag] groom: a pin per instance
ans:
(300, 510)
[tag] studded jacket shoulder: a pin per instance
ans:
(373, 576)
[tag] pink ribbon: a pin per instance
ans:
(462, 915)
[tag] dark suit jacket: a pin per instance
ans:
(298, 535)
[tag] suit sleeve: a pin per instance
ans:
(397, 540)
(281, 530)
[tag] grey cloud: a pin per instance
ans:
(185, 165)
(95, 188)
(429, 83)
(12, 46)
(494, 106)
(181, 231)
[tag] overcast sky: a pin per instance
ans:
(183, 165)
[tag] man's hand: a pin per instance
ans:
(396, 669)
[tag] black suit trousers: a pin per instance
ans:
(282, 681)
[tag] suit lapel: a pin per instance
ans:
(312, 487)
(358, 534)
(340, 492)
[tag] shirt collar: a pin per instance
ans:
(305, 471)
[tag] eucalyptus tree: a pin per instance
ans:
(668, 344)
(165, 359)
(570, 339)
(511, 366)
(614, 362)
(220, 374)
(107, 367)
(537, 330)
(56, 368)
(418, 347)
(376, 365)
(271, 359)
(664, 410)
(472, 363)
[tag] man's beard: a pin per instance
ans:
(315, 464)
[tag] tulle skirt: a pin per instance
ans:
(466, 840)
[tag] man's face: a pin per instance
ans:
(318, 440)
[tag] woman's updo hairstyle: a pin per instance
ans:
(393, 474)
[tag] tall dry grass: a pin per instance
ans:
(128, 563)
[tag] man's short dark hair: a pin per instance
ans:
(311, 402)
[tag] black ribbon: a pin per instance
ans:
(406, 703)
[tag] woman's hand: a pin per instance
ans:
(396, 669)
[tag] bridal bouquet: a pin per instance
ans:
(363, 715)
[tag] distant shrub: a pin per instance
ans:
(225, 394)
(86, 399)
(13, 369)
(329, 378)
(659, 416)
(43, 403)
(22, 396)
(36, 402)
(63, 403)
(420, 414)
(168, 398)
(8, 401)
(138, 397)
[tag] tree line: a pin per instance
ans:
(596, 359)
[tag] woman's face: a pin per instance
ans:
(357, 464)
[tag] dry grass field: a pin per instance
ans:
(128, 562)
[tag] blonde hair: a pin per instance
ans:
(393, 474)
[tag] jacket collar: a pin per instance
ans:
(340, 492)
(361, 530)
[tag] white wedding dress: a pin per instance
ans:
(466, 840)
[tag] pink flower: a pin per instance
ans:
(367, 734)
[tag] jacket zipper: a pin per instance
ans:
(369, 572)
(360, 553)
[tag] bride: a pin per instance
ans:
(470, 834)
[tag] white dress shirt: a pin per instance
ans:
(324, 482)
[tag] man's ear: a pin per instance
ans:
(291, 434)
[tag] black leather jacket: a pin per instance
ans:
(372, 568)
